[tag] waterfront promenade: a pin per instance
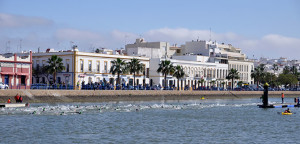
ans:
(47, 96)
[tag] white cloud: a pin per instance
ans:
(15, 21)
(77, 35)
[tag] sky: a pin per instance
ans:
(261, 28)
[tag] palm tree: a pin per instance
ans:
(118, 67)
(46, 72)
(240, 83)
(201, 81)
(294, 71)
(36, 72)
(258, 73)
(286, 70)
(134, 66)
(213, 83)
(223, 83)
(233, 74)
(165, 67)
(178, 73)
(55, 65)
(275, 68)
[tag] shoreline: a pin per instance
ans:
(56, 96)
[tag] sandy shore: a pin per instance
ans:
(49, 96)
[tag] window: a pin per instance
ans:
(68, 65)
(81, 65)
(105, 66)
(98, 66)
(90, 66)
(68, 68)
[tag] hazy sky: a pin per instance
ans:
(269, 28)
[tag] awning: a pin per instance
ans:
(7, 73)
(22, 73)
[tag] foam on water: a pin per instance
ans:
(86, 108)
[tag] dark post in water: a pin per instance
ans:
(265, 96)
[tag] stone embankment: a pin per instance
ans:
(48, 96)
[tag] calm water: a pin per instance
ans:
(201, 121)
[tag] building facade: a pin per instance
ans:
(222, 54)
(16, 70)
(213, 74)
(88, 68)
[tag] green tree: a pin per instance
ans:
(55, 66)
(201, 81)
(286, 70)
(36, 73)
(269, 78)
(233, 74)
(46, 72)
(118, 67)
(134, 66)
(165, 67)
(287, 79)
(212, 83)
(240, 83)
(223, 84)
(274, 68)
(178, 73)
(294, 71)
(258, 73)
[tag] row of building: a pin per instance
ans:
(200, 59)
(280, 63)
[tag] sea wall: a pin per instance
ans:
(46, 96)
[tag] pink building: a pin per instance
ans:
(16, 70)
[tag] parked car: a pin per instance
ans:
(3, 85)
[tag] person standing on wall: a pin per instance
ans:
(282, 97)
(17, 98)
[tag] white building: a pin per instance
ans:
(222, 54)
(195, 68)
(88, 67)
(150, 49)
